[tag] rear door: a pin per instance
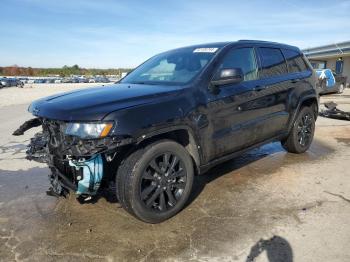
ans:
(299, 73)
(273, 75)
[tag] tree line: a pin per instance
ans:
(63, 72)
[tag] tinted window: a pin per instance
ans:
(243, 58)
(272, 62)
(295, 61)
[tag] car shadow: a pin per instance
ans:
(199, 183)
(277, 249)
(108, 193)
(318, 149)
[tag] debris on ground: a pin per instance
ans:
(333, 112)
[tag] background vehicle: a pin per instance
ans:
(176, 115)
(24, 80)
(340, 81)
(66, 80)
(101, 79)
(49, 80)
(4, 82)
(9, 82)
(83, 80)
(329, 82)
(39, 81)
(18, 83)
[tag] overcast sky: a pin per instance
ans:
(109, 34)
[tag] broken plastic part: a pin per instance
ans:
(333, 112)
(26, 126)
(37, 149)
(56, 181)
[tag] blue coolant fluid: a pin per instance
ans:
(92, 175)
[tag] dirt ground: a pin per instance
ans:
(267, 205)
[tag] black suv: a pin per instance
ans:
(176, 115)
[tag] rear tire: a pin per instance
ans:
(154, 183)
(300, 137)
(341, 89)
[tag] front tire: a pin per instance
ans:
(154, 183)
(300, 137)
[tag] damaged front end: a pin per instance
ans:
(77, 164)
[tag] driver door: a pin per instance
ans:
(235, 110)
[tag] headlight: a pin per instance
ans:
(89, 130)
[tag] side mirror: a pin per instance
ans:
(227, 76)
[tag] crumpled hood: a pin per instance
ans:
(93, 104)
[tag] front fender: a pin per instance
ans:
(160, 118)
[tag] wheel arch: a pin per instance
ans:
(310, 101)
(182, 135)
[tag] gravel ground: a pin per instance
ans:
(266, 205)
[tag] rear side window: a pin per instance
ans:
(272, 62)
(243, 58)
(295, 61)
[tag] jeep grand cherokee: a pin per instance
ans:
(173, 117)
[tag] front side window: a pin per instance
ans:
(295, 61)
(172, 68)
(272, 62)
(243, 58)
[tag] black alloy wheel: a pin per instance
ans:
(304, 128)
(302, 132)
(155, 181)
(163, 182)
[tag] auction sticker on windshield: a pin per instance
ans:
(205, 50)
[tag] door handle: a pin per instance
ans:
(295, 81)
(258, 88)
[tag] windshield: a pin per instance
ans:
(172, 68)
